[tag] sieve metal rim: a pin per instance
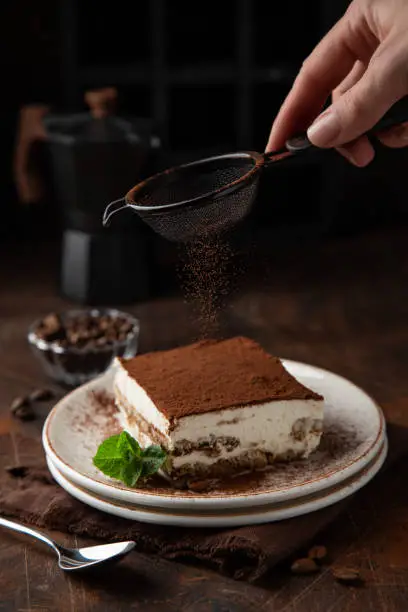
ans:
(216, 194)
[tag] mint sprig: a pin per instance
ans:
(121, 457)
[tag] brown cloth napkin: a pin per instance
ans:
(244, 553)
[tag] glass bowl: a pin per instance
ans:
(74, 365)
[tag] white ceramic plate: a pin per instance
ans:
(221, 517)
(354, 431)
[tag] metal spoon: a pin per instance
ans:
(76, 558)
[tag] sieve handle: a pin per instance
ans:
(397, 114)
(112, 209)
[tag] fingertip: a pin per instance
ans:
(271, 146)
(396, 137)
(268, 148)
(360, 152)
(276, 138)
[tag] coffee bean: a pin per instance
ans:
(25, 413)
(317, 553)
(41, 395)
(73, 337)
(51, 328)
(85, 330)
(104, 323)
(125, 327)
(51, 322)
(304, 566)
(346, 575)
(18, 403)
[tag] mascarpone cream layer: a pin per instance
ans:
(275, 427)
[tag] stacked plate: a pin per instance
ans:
(352, 450)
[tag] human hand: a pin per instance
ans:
(363, 63)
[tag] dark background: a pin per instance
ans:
(208, 77)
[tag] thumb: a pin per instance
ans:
(362, 106)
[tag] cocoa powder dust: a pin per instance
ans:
(207, 274)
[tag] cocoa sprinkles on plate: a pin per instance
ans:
(337, 443)
(104, 417)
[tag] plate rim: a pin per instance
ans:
(193, 511)
(266, 515)
(254, 498)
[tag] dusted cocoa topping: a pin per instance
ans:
(213, 375)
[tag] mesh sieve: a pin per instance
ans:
(196, 199)
(210, 195)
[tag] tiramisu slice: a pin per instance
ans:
(217, 407)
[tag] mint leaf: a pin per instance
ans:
(121, 457)
(128, 446)
(108, 457)
(131, 472)
(153, 458)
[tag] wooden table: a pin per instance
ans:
(342, 306)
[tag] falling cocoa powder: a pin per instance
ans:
(207, 275)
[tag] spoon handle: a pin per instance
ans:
(27, 530)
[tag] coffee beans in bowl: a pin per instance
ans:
(77, 345)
